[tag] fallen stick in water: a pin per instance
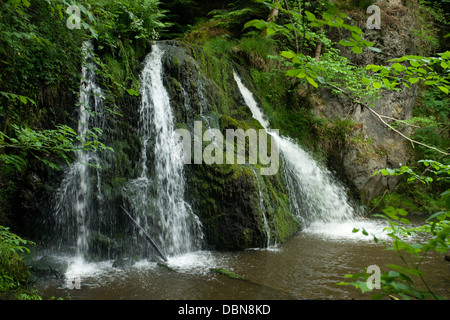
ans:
(146, 235)
(236, 276)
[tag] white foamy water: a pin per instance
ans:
(158, 195)
(316, 197)
(75, 198)
(198, 262)
(343, 230)
(79, 270)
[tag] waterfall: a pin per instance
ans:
(263, 210)
(157, 196)
(76, 196)
(315, 196)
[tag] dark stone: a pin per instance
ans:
(48, 266)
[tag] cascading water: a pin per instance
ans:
(263, 211)
(76, 200)
(316, 197)
(157, 196)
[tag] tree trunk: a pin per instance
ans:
(273, 14)
(318, 50)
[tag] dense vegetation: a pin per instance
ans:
(292, 52)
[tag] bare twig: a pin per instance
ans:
(402, 121)
(368, 213)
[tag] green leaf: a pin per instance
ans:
(258, 24)
(404, 220)
(23, 99)
(347, 43)
(376, 296)
(357, 49)
(327, 15)
(270, 31)
(288, 54)
(373, 67)
(431, 83)
(363, 286)
(393, 274)
(413, 80)
(444, 89)
(375, 49)
(310, 16)
(435, 215)
(398, 66)
(132, 92)
(377, 85)
(312, 82)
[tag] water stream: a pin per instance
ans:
(316, 197)
(79, 193)
(263, 211)
(157, 196)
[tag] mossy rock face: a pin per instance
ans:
(223, 198)
(231, 200)
(227, 200)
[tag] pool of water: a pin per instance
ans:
(307, 266)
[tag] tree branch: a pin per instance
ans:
(380, 117)
(290, 18)
(402, 121)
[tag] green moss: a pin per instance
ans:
(227, 273)
(286, 109)
(281, 220)
(204, 31)
(414, 200)
(227, 122)
(216, 67)
(115, 68)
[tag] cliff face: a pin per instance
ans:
(370, 145)
(231, 200)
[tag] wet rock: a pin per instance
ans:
(47, 266)
(123, 262)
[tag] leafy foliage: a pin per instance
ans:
(433, 71)
(39, 52)
(401, 280)
(13, 272)
(331, 68)
(61, 141)
(436, 168)
(431, 118)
